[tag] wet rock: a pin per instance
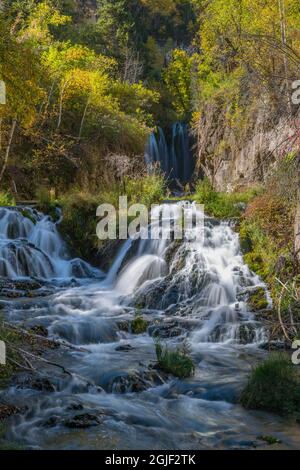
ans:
(246, 333)
(82, 421)
(132, 382)
(51, 422)
(22, 285)
(165, 330)
(75, 407)
(30, 288)
(124, 348)
(12, 294)
(8, 410)
(172, 250)
(42, 384)
(171, 296)
(150, 296)
(40, 330)
(275, 346)
(124, 325)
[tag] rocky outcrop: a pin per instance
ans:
(242, 152)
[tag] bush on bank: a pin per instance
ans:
(223, 205)
(274, 385)
(6, 199)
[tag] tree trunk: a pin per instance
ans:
(283, 28)
(83, 118)
(7, 153)
(61, 102)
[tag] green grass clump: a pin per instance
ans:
(222, 205)
(274, 385)
(176, 362)
(270, 440)
(139, 325)
(6, 200)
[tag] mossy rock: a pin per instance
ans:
(139, 325)
(256, 264)
(257, 300)
(245, 240)
(246, 333)
(28, 215)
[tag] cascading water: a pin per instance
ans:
(189, 293)
(30, 246)
(172, 154)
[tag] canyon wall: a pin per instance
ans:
(236, 153)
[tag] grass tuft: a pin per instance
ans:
(139, 325)
(176, 362)
(274, 385)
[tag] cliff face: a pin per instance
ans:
(86, 10)
(238, 153)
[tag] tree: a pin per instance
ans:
(178, 78)
(21, 74)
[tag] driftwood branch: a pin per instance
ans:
(66, 371)
(55, 342)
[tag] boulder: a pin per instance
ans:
(82, 421)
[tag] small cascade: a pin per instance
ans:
(31, 246)
(145, 268)
(171, 152)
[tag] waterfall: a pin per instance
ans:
(171, 152)
(31, 246)
(189, 294)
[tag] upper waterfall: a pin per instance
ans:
(171, 151)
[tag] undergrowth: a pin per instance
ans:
(220, 204)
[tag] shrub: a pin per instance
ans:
(45, 202)
(79, 222)
(149, 189)
(6, 199)
(79, 210)
(274, 385)
(223, 205)
(266, 234)
(176, 362)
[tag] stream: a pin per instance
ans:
(117, 399)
